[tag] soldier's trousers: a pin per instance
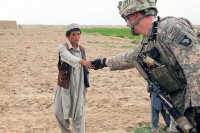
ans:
(193, 115)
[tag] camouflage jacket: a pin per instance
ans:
(178, 36)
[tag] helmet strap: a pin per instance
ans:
(135, 23)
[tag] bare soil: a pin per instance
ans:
(116, 100)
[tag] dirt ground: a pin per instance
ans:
(116, 100)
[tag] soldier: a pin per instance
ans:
(173, 43)
(72, 82)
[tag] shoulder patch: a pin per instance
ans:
(183, 39)
(172, 32)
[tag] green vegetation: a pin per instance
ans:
(145, 129)
(117, 32)
(127, 47)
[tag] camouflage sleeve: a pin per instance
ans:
(179, 36)
(123, 61)
(177, 32)
(197, 32)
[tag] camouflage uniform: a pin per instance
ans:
(178, 39)
(198, 33)
(177, 71)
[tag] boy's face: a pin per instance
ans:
(74, 37)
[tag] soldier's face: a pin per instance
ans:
(131, 19)
(74, 37)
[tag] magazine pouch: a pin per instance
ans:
(165, 79)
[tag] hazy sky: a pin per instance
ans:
(86, 12)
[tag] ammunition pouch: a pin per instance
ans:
(164, 78)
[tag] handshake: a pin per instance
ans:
(95, 64)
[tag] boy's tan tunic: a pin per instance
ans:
(72, 100)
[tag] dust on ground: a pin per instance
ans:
(116, 100)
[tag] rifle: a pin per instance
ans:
(182, 124)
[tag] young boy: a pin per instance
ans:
(72, 82)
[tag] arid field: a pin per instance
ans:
(115, 102)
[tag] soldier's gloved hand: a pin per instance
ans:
(99, 63)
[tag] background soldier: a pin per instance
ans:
(158, 107)
(170, 41)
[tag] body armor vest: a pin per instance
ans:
(168, 75)
(65, 70)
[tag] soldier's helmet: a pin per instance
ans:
(72, 27)
(128, 7)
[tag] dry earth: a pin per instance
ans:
(116, 100)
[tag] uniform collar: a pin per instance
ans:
(153, 30)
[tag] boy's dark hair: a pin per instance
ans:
(69, 31)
